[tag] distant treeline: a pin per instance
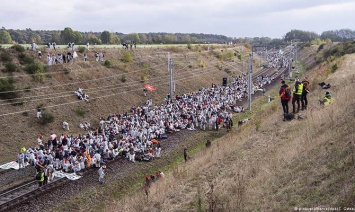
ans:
(69, 35)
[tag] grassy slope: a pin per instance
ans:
(271, 165)
(19, 130)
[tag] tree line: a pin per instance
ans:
(69, 35)
(8, 36)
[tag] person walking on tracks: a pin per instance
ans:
(285, 96)
(297, 93)
(102, 174)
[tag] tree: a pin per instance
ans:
(143, 38)
(5, 37)
(94, 40)
(77, 37)
(157, 39)
(186, 38)
(67, 35)
(170, 38)
(105, 37)
(134, 38)
(114, 39)
(303, 36)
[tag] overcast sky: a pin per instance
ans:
(233, 18)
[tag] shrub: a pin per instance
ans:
(10, 67)
(107, 64)
(321, 47)
(18, 48)
(81, 112)
(47, 117)
(39, 77)
(144, 78)
(334, 67)
(123, 78)
(5, 57)
(189, 46)
(33, 68)
(7, 89)
(202, 64)
(219, 65)
(25, 113)
(81, 49)
(127, 57)
(25, 59)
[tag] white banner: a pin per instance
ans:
(10, 165)
(70, 176)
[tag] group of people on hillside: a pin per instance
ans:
(298, 96)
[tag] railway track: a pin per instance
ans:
(24, 192)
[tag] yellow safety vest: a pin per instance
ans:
(299, 90)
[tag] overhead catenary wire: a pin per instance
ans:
(111, 87)
(66, 92)
(72, 83)
(99, 97)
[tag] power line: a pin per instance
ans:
(68, 103)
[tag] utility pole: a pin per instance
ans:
(242, 57)
(171, 75)
(172, 83)
(250, 87)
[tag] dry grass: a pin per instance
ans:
(303, 163)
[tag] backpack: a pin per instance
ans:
(286, 93)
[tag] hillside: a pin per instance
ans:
(111, 89)
(268, 164)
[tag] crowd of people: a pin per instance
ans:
(134, 135)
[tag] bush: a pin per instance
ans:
(334, 67)
(10, 67)
(127, 57)
(25, 59)
(39, 77)
(81, 112)
(5, 57)
(18, 48)
(219, 65)
(202, 64)
(107, 64)
(33, 68)
(123, 78)
(7, 89)
(25, 113)
(47, 117)
(321, 47)
(81, 49)
(144, 78)
(189, 46)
